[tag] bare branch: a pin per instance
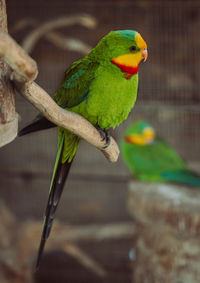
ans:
(82, 19)
(25, 70)
(56, 38)
(68, 43)
(19, 243)
(22, 24)
(24, 67)
(94, 232)
(84, 259)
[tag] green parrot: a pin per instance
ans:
(151, 159)
(102, 87)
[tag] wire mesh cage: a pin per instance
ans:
(168, 98)
(169, 94)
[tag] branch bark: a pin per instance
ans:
(24, 72)
(8, 117)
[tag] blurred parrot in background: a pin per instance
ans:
(151, 159)
(102, 87)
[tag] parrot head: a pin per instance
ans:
(123, 48)
(140, 133)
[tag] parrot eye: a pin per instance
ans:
(132, 48)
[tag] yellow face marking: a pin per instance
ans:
(130, 60)
(149, 133)
(147, 137)
(136, 139)
(140, 41)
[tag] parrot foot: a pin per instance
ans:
(104, 134)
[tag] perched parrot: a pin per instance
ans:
(151, 159)
(102, 87)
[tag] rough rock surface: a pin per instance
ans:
(168, 233)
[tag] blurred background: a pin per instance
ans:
(168, 98)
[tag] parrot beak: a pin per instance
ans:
(145, 54)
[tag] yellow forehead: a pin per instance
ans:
(140, 41)
(148, 130)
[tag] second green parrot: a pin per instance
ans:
(102, 87)
(151, 159)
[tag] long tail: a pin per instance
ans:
(183, 176)
(59, 176)
(38, 125)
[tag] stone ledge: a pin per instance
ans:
(167, 246)
(176, 207)
(8, 131)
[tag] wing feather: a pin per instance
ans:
(75, 86)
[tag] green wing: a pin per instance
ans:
(74, 89)
(75, 86)
(158, 163)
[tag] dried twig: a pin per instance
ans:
(93, 232)
(56, 38)
(84, 259)
(66, 238)
(82, 19)
(19, 243)
(68, 43)
(24, 72)
(22, 24)
(24, 67)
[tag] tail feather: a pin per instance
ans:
(38, 125)
(183, 176)
(59, 176)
